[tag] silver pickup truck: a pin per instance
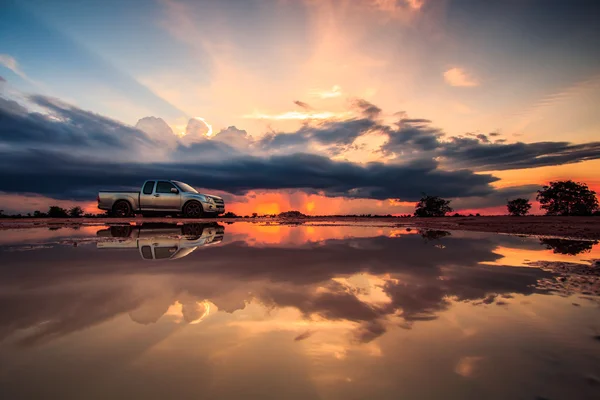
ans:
(161, 196)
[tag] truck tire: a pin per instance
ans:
(121, 209)
(193, 209)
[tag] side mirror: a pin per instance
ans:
(173, 190)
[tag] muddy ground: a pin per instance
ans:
(569, 227)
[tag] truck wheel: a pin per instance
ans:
(121, 209)
(193, 209)
(192, 229)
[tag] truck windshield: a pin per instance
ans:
(184, 187)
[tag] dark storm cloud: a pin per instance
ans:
(498, 198)
(412, 135)
(336, 133)
(302, 104)
(473, 154)
(63, 176)
(64, 126)
(415, 138)
(369, 110)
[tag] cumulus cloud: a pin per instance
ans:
(459, 77)
(234, 137)
(157, 129)
(197, 129)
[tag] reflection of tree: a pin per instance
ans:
(567, 246)
(433, 234)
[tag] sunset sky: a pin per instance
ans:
(322, 106)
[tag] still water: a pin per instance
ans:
(260, 311)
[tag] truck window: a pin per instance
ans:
(148, 187)
(164, 252)
(164, 187)
(147, 252)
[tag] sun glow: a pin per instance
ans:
(210, 129)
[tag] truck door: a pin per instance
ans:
(165, 198)
(147, 196)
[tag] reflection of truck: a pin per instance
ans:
(163, 196)
(161, 241)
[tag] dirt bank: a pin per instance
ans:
(571, 227)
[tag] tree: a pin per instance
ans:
(76, 212)
(518, 207)
(432, 206)
(229, 214)
(57, 212)
(39, 214)
(567, 198)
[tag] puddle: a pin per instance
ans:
(323, 311)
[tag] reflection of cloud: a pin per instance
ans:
(467, 366)
(359, 283)
(304, 335)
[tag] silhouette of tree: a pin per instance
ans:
(39, 214)
(229, 214)
(567, 198)
(291, 214)
(57, 212)
(567, 246)
(518, 207)
(432, 206)
(76, 212)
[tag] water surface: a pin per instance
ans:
(261, 311)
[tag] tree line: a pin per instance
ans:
(564, 198)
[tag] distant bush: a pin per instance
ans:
(292, 214)
(57, 212)
(76, 212)
(229, 214)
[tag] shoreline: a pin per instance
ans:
(587, 228)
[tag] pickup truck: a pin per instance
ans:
(161, 196)
(161, 241)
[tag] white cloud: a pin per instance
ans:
(335, 91)
(11, 63)
(459, 77)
